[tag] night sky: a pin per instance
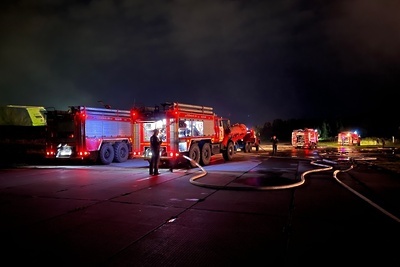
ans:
(253, 61)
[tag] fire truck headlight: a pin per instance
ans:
(182, 146)
(147, 153)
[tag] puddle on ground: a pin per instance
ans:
(269, 179)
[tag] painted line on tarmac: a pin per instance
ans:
(363, 197)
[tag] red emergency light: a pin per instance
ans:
(82, 115)
(134, 114)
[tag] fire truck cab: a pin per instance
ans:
(185, 130)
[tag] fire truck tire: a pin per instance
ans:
(205, 155)
(228, 153)
(257, 148)
(106, 154)
(194, 154)
(121, 152)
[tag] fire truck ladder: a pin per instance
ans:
(190, 108)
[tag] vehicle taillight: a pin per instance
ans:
(50, 153)
(83, 153)
(173, 154)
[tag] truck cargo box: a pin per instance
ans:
(22, 133)
(22, 115)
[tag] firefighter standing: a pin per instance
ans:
(275, 142)
(155, 144)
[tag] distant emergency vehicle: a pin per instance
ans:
(305, 138)
(347, 138)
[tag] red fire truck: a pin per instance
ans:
(305, 138)
(247, 140)
(89, 133)
(186, 130)
(349, 138)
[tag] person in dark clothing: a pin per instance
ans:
(275, 142)
(155, 144)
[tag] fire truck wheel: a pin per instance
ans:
(257, 148)
(106, 154)
(228, 153)
(205, 155)
(121, 152)
(194, 154)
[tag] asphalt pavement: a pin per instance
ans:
(243, 212)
